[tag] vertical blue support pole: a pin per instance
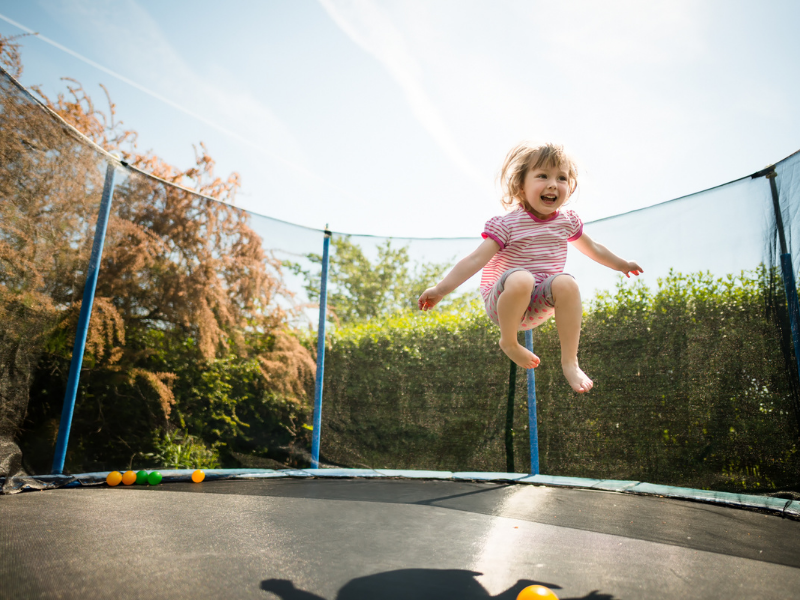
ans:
(787, 270)
(83, 323)
(792, 303)
(323, 309)
(533, 425)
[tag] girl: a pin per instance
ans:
(523, 255)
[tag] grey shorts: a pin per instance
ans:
(541, 306)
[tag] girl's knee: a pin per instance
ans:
(519, 281)
(564, 285)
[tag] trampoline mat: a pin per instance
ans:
(348, 539)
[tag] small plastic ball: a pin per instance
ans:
(537, 592)
(154, 478)
(198, 476)
(114, 478)
(141, 477)
(129, 478)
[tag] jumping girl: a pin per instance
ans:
(523, 256)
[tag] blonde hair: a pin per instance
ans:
(526, 156)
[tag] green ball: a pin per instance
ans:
(141, 478)
(154, 478)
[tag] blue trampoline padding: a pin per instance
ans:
(779, 505)
(480, 476)
(409, 474)
(343, 473)
(579, 482)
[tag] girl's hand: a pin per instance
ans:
(429, 299)
(631, 267)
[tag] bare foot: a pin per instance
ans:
(577, 379)
(520, 355)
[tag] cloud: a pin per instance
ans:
(368, 26)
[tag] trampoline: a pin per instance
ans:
(297, 535)
(709, 406)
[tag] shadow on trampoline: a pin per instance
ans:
(415, 584)
(435, 501)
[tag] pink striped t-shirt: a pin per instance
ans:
(540, 246)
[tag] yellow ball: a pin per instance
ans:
(198, 476)
(114, 478)
(537, 592)
(129, 478)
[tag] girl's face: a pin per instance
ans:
(546, 189)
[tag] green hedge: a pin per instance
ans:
(691, 389)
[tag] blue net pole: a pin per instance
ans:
(83, 323)
(791, 300)
(787, 270)
(512, 385)
(533, 426)
(323, 309)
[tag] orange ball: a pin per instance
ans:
(537, 592)
(129, 478)
(114, 478)
(198, 476)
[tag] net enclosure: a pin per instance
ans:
(202, 351)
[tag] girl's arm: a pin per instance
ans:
(464, 269)
(599, 253)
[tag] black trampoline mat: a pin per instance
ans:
(348, 539)
(696, 525)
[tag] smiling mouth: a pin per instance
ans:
(549, 199)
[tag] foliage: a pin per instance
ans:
(46, 189)
(690, 390)
(360, 290)
(231, 401)
(187, 329)
(180, 450)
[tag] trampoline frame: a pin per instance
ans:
(778, 506)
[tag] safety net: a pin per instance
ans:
(201, 349)
(50, 186)
(695, 377)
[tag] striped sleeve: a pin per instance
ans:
(497, 230)
(575, 226)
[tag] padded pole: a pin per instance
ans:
(323, 310)
(791, 300)
(787, 270)
(776, 205)
(532, 421)
(512, 386)
(83, 324)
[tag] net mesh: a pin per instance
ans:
(50, 186)
(202, 341)
(695, 378)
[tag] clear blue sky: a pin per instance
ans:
(392, 117)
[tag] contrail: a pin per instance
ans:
(376, 35)
(297, 168)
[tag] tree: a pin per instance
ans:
(185, 288)
(359, 289)
(48, 184)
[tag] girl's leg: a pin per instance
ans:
(569, 312)
(511, 305)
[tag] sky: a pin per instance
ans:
(392, 117)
